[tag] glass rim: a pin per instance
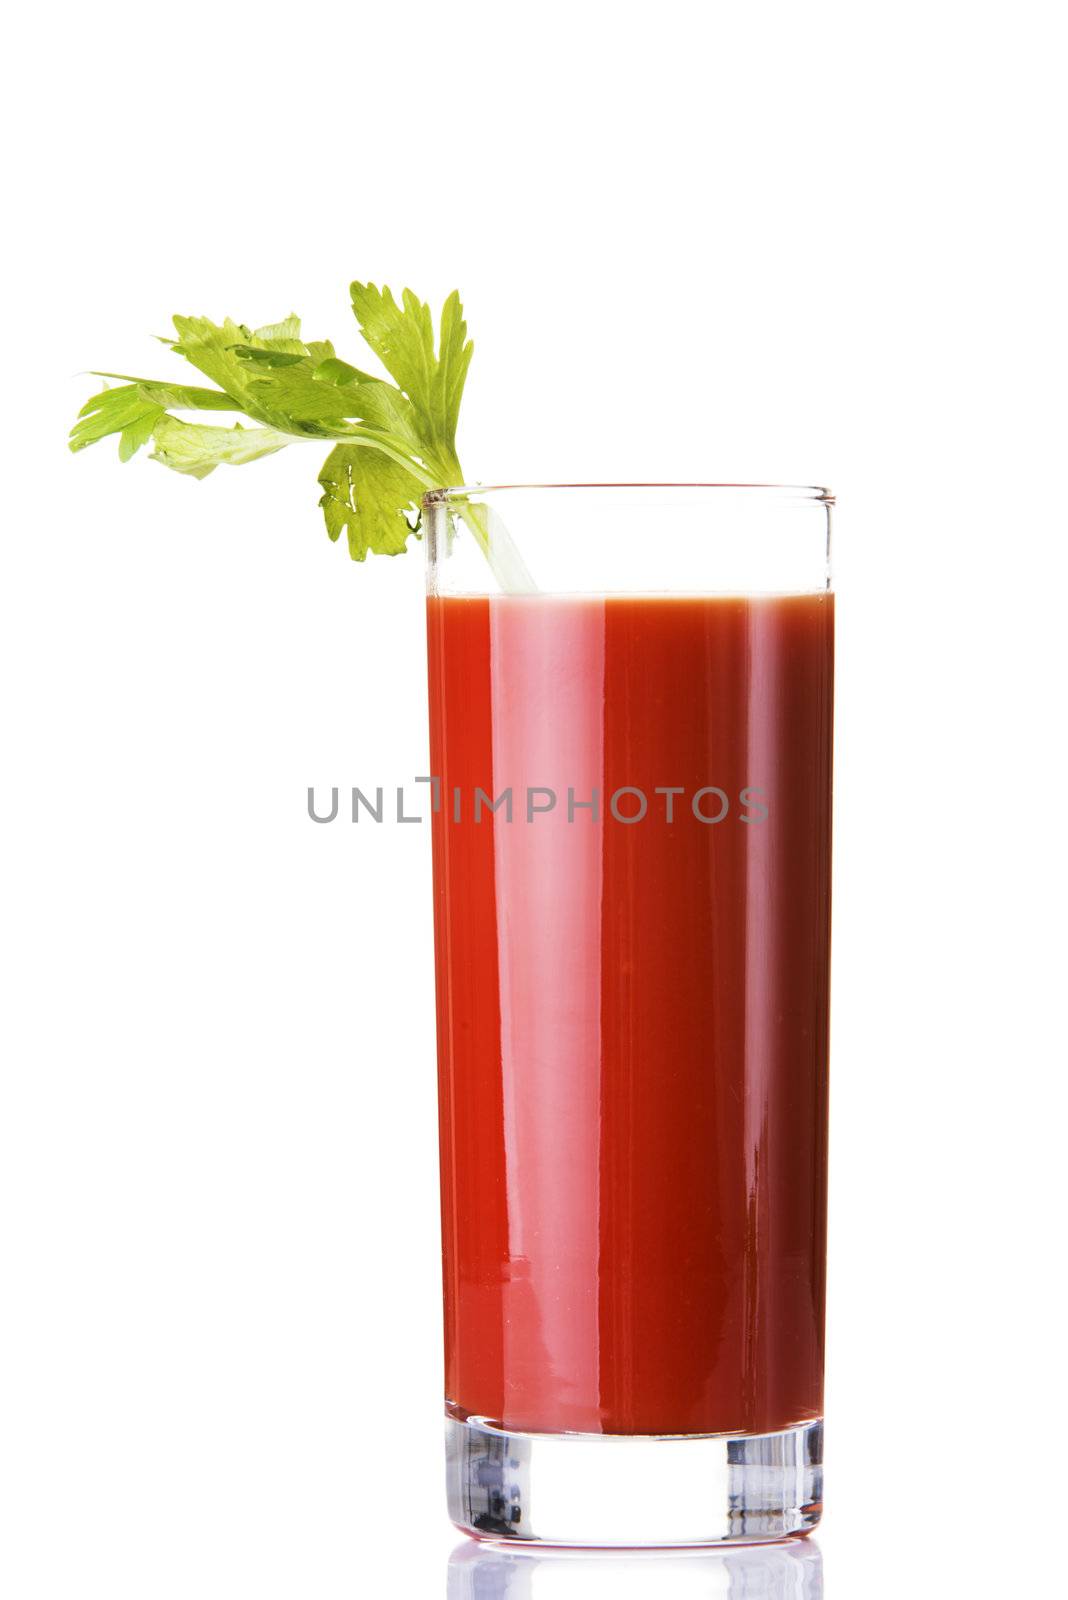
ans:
(786, 491)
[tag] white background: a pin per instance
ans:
(816, 243)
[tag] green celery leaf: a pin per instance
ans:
(450, 375)
(271, 378)
(319, 350)
(196, 450)
(135, 434)
(314, 400)
(111, 411)
(175, 396)
(382, 406)
(213, 349)
(209, 347)
(133, 409)
(402, 336)
(396, 438)
(284, 335)
(268, 358)
(295, 392)
(367, 496)
(332, 370)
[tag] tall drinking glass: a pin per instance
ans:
(631, 698)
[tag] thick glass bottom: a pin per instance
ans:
(633, 1489)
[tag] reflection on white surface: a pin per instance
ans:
(790, 1571)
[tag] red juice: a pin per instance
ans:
(632, 1007)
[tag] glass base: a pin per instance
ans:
(633, 1489)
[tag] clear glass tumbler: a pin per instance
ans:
(631, 704)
